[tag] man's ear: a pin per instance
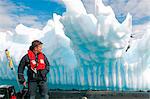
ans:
(35, 48)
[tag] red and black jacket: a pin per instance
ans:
(32, 61)
(36, 62)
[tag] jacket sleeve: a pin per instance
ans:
(44, 72)
(21, 68)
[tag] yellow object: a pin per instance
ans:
(9, 59)
(7, 53)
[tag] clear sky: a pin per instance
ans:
(43, 9)
(35, 13)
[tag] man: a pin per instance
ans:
(38, 68)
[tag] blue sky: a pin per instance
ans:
(139, 9)
(36, 13)
(32, 13)
(44, 9)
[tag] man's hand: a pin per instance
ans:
(24, 84)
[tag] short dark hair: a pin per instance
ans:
(34, 44)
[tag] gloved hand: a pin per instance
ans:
(43, 74)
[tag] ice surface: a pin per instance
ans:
(86, 47)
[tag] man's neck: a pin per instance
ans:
(35, 52)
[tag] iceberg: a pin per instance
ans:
(87, 48)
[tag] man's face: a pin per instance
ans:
(38, 48)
